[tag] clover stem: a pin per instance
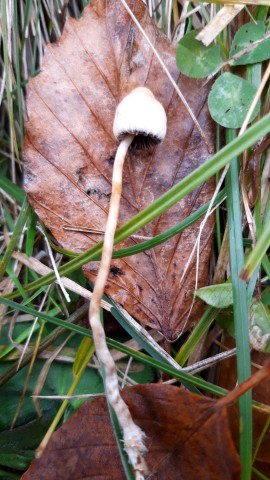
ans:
(133, 436)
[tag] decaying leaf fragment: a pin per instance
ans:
(189, 436)
(187, 439)
(70, 148)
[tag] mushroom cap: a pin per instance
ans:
(141, 115)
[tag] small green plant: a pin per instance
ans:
(231, 95)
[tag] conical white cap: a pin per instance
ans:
(140, 114)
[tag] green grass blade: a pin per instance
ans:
(259, 474)
(197, 333)
(35, 45)
(168, 199)
(257, 254)
(217, 212)
(31, 233)
(15, 279)
(135, 334)
(19, 102)
(12, 189)
(27, 13)
(134, 330)
(15, 236)
(261, 438)
(7, 67)
(240, 312)
(141, 357)
(259, 226)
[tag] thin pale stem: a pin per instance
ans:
(133, 436)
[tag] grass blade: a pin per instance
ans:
(13, 241)
(240, 312)
(12, 189)
(141, 357)
(256, 255)
(8, 72)
(196, 335)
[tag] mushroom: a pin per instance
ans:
(140, 122)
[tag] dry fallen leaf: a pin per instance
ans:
(187, 439)
(69, 151)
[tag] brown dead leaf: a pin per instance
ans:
(187, 438)
(69, 151)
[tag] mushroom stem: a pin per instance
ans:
(133, 436)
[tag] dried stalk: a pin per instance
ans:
(133, 436)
